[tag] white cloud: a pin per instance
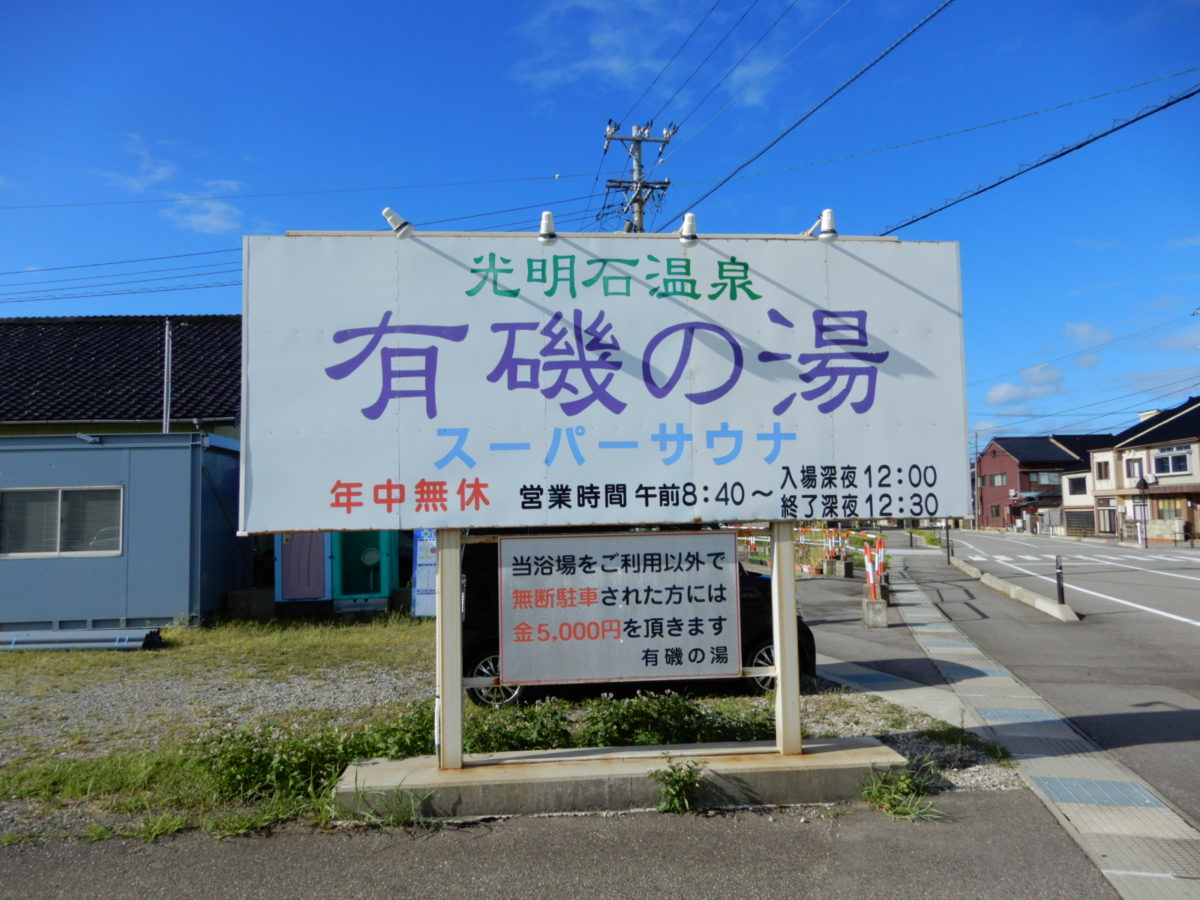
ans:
(1004, 393)
(1087, 361)
(1193, 241)
(204, 215)
(5, 183)
(1036, 381)
(150, 170)
(1087, 335)
(582, 39)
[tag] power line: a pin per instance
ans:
(130, 281)
(1117, 340)
(119, 262)
(155, 290)
(753, 83)
(259, 196)
(961, 131)
(671, 60)
(702, 63)
(814, 110)
(134, 272)
(742, 59)
(1049, 158)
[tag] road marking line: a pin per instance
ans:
(1129, 603)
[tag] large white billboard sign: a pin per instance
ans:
(612, 608)
(487, 380)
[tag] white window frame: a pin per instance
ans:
(1170, 455)
(58, 552)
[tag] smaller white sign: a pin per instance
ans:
(626, 607)
(425, 563)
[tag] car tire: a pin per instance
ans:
(762, 653)
(487, 665)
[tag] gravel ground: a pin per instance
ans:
(113, 716)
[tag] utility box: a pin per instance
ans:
(117, 530)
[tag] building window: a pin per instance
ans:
(1102, 471)
(1168, 508)
(1171, 460)
(1077, 486)
(1133, 468)
(60, 522)
(998, 480)
(995, 511)
(1045, 479)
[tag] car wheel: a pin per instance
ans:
(763, 654)
(487, 665)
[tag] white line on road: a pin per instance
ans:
(1157, 612)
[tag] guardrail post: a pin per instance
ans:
(1058, 578)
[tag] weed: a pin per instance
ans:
(542, 726)
(95, 832)
(679, 784)
(12, 839)
(155, 827)
(898, 793)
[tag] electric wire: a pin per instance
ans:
(119, 262)
(1162, 326)
(154, 290)
(695, 133)
(709, 56)
(259, 196)
(845, 84)
(720, 81)
(129, 281)
(119, 274)
(960, 131)
(1185, 94)
(663, 70)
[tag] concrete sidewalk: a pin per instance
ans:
(1142, 846)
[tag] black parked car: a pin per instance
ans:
(481, 622)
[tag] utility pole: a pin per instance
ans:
(637, 190)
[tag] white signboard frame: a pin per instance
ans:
(485, 380)
(628, 607)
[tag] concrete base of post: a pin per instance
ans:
(874, 613)
(883, 591)
(838, 568)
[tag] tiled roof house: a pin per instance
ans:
(105, 374)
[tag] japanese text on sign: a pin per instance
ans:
(614, 607)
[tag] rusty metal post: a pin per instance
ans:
(447, 720)
(787, 645)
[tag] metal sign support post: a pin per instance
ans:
(448, 712)
(787, 647)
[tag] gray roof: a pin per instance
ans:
(110, 368)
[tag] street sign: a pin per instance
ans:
(619, 607)
(445, 381)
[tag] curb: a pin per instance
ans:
(1060, 611)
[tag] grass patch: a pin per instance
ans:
(234, 649)
(898, 793)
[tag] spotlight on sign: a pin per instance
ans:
(546, 234)
(824, 229)
(401, 226)
(687, 231)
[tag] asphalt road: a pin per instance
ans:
(1127, 675)
(993, 845)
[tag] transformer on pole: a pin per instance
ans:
(637, 190)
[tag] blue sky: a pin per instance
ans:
(160, 132)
